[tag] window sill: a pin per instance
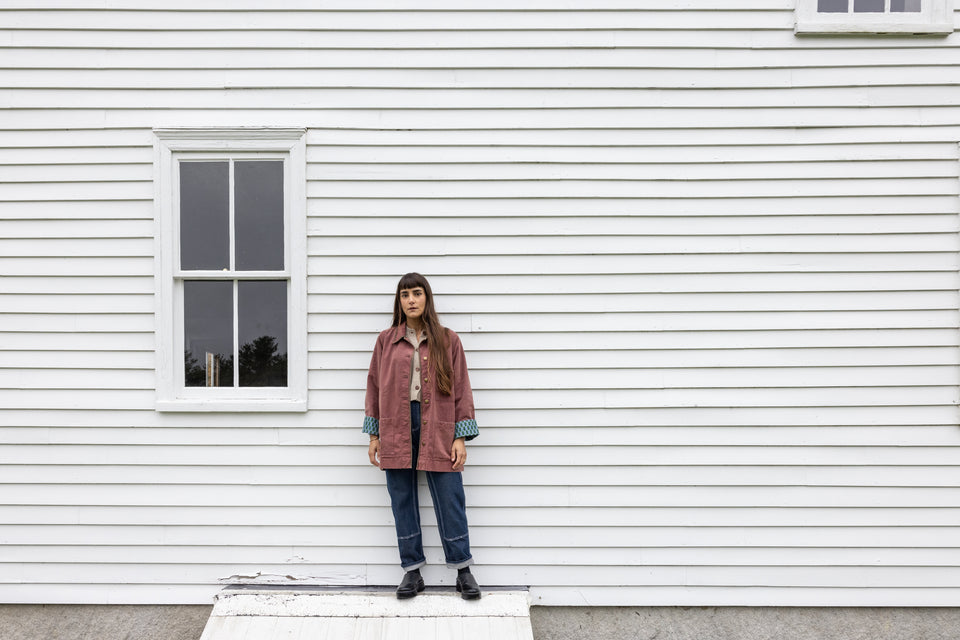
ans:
(903, 28)
(239, 406)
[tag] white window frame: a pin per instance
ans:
(935, 18)
(171, 145)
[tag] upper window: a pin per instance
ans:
(874, 16)
(231, 270)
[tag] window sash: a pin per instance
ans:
(231, 158)
(242, 391)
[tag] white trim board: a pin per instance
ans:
(292, 613)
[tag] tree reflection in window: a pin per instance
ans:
(260, 366)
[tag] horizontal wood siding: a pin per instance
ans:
(706, 273)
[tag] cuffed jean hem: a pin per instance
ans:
(414, 567)
(460, 565)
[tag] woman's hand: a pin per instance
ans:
(459, 455)
(374, 451)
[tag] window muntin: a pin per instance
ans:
(232, 271)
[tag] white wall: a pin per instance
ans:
(705, 270)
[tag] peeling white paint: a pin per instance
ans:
(368, 604)
(291, 579)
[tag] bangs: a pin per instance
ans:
(413, 280)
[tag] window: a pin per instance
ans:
(231, 274)
(874, 16)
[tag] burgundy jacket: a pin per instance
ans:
(442, 417)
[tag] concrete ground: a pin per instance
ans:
(744, 623)
(102, 622)
(185, 622)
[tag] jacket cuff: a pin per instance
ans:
(371, 426)
(466, 429)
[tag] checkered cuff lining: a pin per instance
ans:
(467, 429)
(371, 426)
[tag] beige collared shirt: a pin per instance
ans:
(411, 337)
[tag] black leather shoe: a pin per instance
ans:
(410, 586)
(467, 586)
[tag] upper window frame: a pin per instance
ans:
(936, 18)
(171, 145)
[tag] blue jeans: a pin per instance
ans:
(449, 504)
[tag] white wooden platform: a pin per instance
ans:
(265, 613)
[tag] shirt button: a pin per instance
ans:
(417, 387)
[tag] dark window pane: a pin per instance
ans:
(868, 6)
(905, 6)
(208, 333)
(832, 6)
(258, 210)
(204, 215)
(262, 307)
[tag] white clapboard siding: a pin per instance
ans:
(705, 271)
(706, 56)
(45, 112)
(502, 474)
(630, 556)
(597, 87)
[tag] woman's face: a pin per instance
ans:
(413, 301)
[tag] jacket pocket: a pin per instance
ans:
(391, 442)
(441, 440)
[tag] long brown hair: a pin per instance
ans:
(436, 332)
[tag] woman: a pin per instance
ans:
(419, 413)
